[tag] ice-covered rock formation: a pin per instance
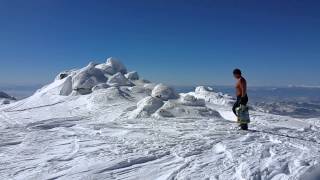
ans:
(100, 86)
(209, 95)
(164, 92)
(106, 96)
(146, 107)
(112, 66)
(187, 106)
(119, 79)
(190, 100)
(84, 80)
(133, 75)
(5, 98)
(90, 78)
(110, 82)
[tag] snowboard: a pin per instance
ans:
(243, 114)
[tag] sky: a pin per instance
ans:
(178, 42)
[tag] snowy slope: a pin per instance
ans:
(86, 126)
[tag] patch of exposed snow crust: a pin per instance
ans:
(103, 122)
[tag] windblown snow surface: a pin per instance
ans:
(102, 122)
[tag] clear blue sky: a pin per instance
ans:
(184, 42)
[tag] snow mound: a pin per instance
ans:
(107, 96)
(87, 78)
(66, 87)
(112, 66)
(187, 106)
(5, 98)
(61, 87)
(95, 77)
(133, 75)
(146, 107)
(164, 92)
(190, 100)
(119, 80)
(209, 95)
(149, 87)
(175, 108)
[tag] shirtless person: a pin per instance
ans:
(241, 92)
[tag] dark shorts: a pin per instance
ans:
(237, 103)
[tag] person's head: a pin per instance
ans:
(237, 73)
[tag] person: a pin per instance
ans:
(241, 93)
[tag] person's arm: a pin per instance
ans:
(243, 87)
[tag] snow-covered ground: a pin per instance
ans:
(103, 122)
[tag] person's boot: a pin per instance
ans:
(244, 127)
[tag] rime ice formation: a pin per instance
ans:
(164, 92)
(208, 94)
(133, 75)
(119, 79)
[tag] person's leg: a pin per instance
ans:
(236, 104)
(234, 108)
(244, 126)
(246, 99)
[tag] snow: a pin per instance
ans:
(146, 107)
(66, 87)
(100, 86)
(192, 101)
(84, 80)
(118, 79)
(179, 109)
(208, 94)
(129, 132)
(164, 92)
(112, 66)
(116, 65)
(133, 75)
